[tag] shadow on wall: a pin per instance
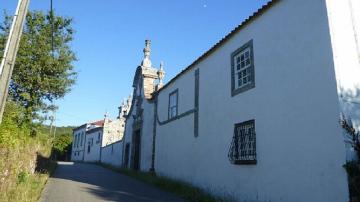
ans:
(350, 106)
(108, 185)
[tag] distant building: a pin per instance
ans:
(93, 144)
(90, 138)
(79, 139)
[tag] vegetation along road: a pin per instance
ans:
(89, 182)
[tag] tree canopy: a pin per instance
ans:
(42, 72)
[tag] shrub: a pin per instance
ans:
(353, 171)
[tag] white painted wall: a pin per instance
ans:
(128, 135)
(112, 154)
(93, 139)
(344, 22)
(147, 135)
(77, 153)
(300, 149)
(146, 131)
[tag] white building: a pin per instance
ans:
(93, 144)
(111, 151)
(257, 116)
(90, 139)
(77, 152)
(79, 139)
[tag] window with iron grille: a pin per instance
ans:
(173, 104)
(242, 69)
(243, 145)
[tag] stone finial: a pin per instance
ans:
(129, 100)
(146, 62)
(161, 73)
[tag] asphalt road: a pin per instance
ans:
(89, 182)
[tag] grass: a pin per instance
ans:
(21, 177)
(28, 186)
(28, 190)
(181, 189)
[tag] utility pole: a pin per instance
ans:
(11, 48)
(54, 125)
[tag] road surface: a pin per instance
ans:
(89, 182)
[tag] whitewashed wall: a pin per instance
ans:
(146, 131)
(147, 135)
(77, 152)
(112, 154)
(127, 136)
(344, 21)
(300, 149)
(93, 138)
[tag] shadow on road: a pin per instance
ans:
(93, 182)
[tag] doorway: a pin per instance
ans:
(136, 156)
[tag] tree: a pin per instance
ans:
(42, 73)
(352, 133)
(62, 146)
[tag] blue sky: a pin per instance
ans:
(110, 37)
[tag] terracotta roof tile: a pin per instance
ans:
(98, 123)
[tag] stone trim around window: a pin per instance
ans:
(176, 91)
(251, 85)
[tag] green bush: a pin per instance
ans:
(19, 152)
(23, 177)
(353, 171)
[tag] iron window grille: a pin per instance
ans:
(243, 145)
(242, 69)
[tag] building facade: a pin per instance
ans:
(138, 148)
(77, 152)
(90, 139)
(93, 144)
(257, 116)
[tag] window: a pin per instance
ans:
(243, 145)
(88, 149)
(242, 69)
(173, 104)
(74, 141)
(82, 138)
(77, 140)
(98, 136)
